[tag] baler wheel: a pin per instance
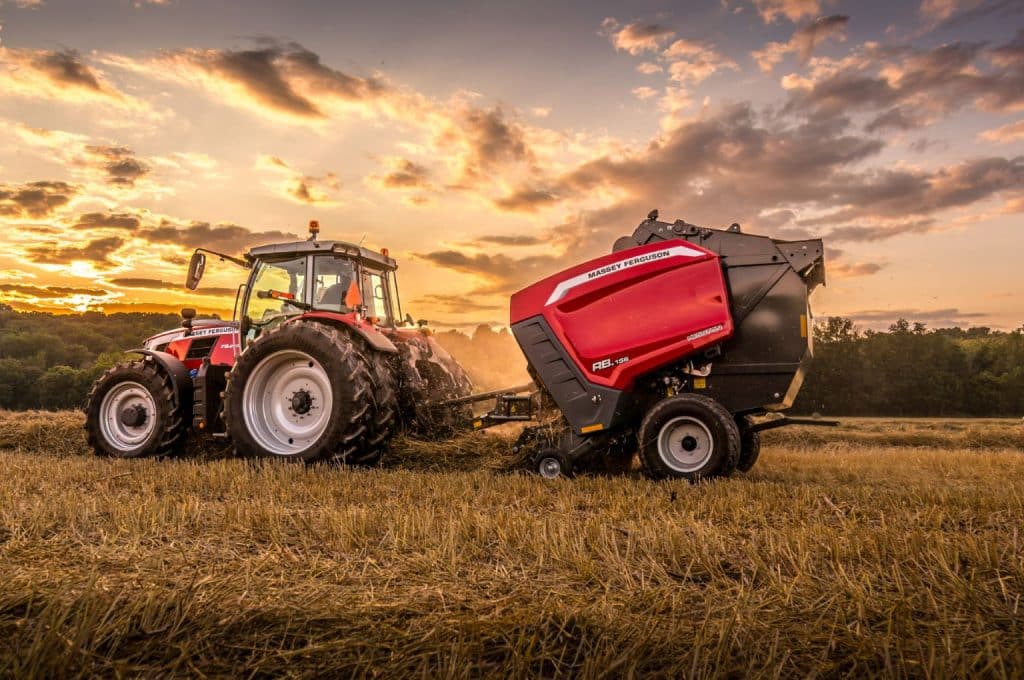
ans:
(551, 464)
(689, 436)
(301, 391)
(132, 412)
(750, 446)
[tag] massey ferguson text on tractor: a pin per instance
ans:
(672, 345)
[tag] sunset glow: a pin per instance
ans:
(489, 145)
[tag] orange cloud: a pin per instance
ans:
(403, 175)
(59, 76)
(284, 81)
(287, 82)
(34, 200)
(635, 37)
(110, 169)
(803, 41)
(936, 11)
(694, 61)
(794, 10)
(644, 92)
(1006, 133)
(299, 187)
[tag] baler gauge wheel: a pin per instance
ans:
(551, 464)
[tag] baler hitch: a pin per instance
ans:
(510, 406)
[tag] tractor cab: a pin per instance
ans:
(292, 279)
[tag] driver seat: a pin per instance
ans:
(334, 296)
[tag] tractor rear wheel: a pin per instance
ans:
(750, 446)
(689, 436)
(133, 412)
(301, 392)
(384, 417)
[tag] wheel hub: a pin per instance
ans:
(302, 402)
(134, 416)
(550, 468)
(685, 444)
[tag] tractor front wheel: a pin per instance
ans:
(133, 412)
(689, 436)
(300, 392)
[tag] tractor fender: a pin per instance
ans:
(371, 335)
(378, 340)
(180, 378)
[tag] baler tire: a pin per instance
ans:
(542, 462)
(170, 431)
(750, 446)
(384, 419)
(347, 426)
(708, 414)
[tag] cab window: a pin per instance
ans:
(284, 278)
(375, 297)
(332, 280)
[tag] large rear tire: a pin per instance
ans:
(133, 412)
(301, 392)
(689, 436)
(384, 421)
(431, 376)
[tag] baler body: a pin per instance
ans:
(674, 307)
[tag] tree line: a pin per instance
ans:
(913, 371)
(49, 361)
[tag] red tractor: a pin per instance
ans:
(319, 365)
(674, 345)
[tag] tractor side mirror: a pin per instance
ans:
(196, 267)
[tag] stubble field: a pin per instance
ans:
(881, 547)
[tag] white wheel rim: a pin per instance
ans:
(685, 444)
(121, 398)
(550, 468)
(277, 414)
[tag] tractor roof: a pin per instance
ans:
(340, 248)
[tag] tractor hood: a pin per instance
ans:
(200, 328)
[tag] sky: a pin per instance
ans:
(488, 144)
